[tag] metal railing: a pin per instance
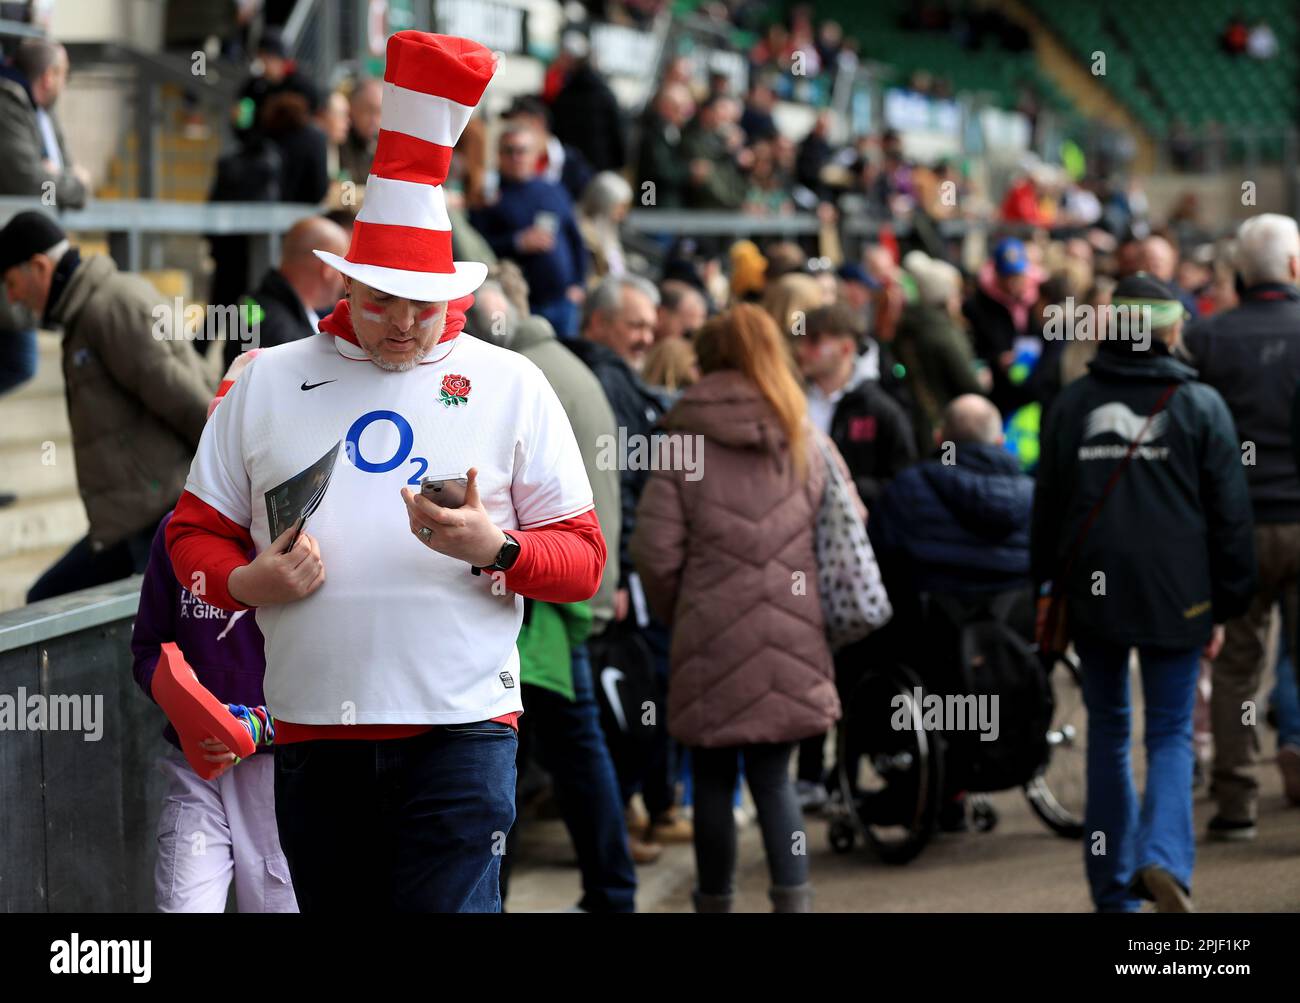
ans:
(313, 36)
(129, 223)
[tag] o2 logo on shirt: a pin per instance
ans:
(405, 442)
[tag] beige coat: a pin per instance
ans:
(591, 417)
(728, 561)
(137, 403)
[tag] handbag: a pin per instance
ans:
(854, 601)
(1053, 622)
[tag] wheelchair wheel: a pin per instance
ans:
(1056, 793)
(891, 778)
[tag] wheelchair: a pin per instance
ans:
(890, 782)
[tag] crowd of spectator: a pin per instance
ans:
(763, 350)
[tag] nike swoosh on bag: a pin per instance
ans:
(609, 680)
(313, 386)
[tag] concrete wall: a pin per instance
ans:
(137, 21)
(95, 113)
(1219, 195)
(78, 819)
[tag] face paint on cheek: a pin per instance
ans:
(372, 310)
(426, 317)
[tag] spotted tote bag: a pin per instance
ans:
(854, 602)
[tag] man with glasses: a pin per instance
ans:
(533, 224)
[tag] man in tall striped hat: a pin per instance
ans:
(390, 622)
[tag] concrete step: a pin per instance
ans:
(19, 572)
(197, 191)
(39, 522)
(38, 468)
(30, 415)
(1088, 94)
(174, 141)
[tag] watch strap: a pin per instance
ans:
(496, 564)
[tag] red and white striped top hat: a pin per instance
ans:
(401, 241)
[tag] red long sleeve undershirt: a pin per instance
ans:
(560, 562)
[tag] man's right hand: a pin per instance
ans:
(274, 578)
(535, 240)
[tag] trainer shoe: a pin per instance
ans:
(1164, 888)
(643, 852)
(1226, 830)
(670, 827)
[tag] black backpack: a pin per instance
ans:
(986, 651)
(623, 675)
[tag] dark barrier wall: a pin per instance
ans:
(78, 818)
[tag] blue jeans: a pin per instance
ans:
(1121, 837)
(1285, 699)
(398, 825)
(18, 357)
(571, 747)
(563, 315)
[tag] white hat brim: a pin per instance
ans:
(425, 287)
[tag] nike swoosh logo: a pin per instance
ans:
(609, 680)
(313, 386)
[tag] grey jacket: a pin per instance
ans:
(591, 417)
(137, 402)
(20, 139)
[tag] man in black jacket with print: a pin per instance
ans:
(1142, 523)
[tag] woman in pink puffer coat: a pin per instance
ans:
(726, 554)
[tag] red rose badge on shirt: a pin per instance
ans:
(455, 390)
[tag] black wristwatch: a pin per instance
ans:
(506, 557)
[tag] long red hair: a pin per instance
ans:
(747, 340)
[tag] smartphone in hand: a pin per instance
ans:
(447, 490)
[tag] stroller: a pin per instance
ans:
(952, 697)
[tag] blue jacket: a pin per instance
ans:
(957, 527)
(549, 274)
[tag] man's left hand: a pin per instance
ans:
(466, 533)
